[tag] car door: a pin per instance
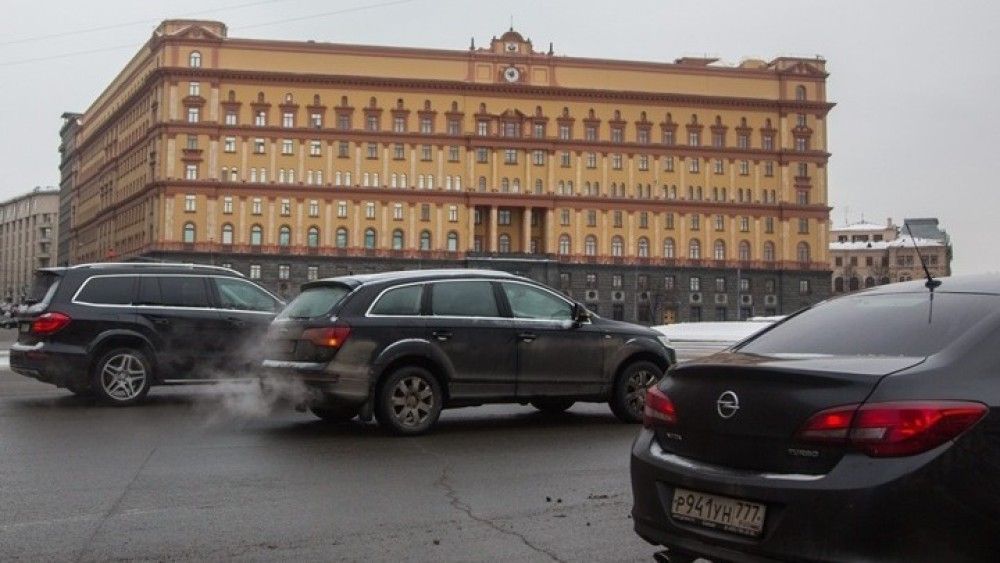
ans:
(556, 357)
(245, 312)
(465, 323)
(178, 309)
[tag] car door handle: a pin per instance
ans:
(527, 336)
(235, 321)
(160, 321)
(442, 335)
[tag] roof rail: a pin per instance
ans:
(98, 265)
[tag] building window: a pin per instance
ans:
(769, 251)
(284, 271)
(564, 159)
(230, 118)
(452, 241)
(694, 284)
(803, 226)
(802, 252)
(397, 239)
(312, 237)
(503, 242)
(285, 236)
(564, 244)
(617, 246)
(643, 162)
(669, 248)
(258, 146)
(744, 251)
(669, 283)
(616, 161)
(371, 238)
(189, 233)
(643, 247)
(694, 249)
(227, 234)
(769, 225)
(191, 172)
(590, 245)
(193, 114)
(482, 155)
(453, 213)
(804, 287)
(503, 217)
(256, 235)
(719, 250)
(227, 205)
(260, 119)
(694, 164)
(194, 59)
(288, 119)
(538, 158)
(695, 222)
(255, 271)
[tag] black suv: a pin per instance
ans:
(115, 329)
(403, 345)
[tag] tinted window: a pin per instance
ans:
(399, 301)
(907, 324)
(183, 291)
(464, 299)
(115, 290)
(238, 294)
(529, 302)
(43, 286)
(149, 291)
(314, 302)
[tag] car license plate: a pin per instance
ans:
(722, 513)
(24, 327)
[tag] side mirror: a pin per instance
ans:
(580, 314)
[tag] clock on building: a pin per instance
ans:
(511, 47)
(511, 74)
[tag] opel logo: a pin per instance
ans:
(727, 405)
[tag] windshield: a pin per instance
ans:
(314, 302)
(896, 324)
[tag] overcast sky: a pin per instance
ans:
(915, 133)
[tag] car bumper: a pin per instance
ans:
(333, 381)
(864, 509)
(58, 364)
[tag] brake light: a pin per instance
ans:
(658, 410)
(49, 323)
(331, 337)
(893, 429)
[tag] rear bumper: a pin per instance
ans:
(902, 509)
(335, 382)
(59, 364)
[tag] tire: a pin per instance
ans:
(409, 401)
(122, 377)
(334, 415)
(629, 395)
(553, 405)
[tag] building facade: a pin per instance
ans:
(29, 230)
(867, 254)
(652, 192)
(68, 167)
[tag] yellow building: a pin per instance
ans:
(649, 191)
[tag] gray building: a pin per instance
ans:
(67, 181)
(29, 226)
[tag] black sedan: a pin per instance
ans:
(863, 428)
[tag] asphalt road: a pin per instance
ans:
(206, 473)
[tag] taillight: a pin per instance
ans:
(893, 429)
(49, 323)
(331, 337)
(659, 409)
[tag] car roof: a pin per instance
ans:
(966, 283)
(144, 267)
(413, 275)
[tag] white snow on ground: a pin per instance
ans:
(4, 359)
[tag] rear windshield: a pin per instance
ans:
(314, 302)
(896, 324)
(43, 286)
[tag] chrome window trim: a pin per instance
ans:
(76, 301)
(660, 454)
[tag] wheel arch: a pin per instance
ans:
(122, 339)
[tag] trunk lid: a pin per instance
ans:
(313, 308)
(742, 411)
(43, 288)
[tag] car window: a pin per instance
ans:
(399, 301)
(314, 302)
(102, 290)
(43, 287)
(183, 291)
(464, 299)
(530, 302)
(896, 324)
(149, 291)
(244, 296)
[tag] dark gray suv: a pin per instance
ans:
(401, 346)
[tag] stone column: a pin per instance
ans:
(526, 230)
(550, 232)
(493, 230)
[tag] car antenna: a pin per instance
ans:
(931, 282)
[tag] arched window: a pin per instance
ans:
(855, 283)
(838, 285)
(539, 186)
(562, 187)
(669, 249)
(504, 241)
(394, 181)
(189, 232)
(341, 238)
(256, 235)
(800, 93)
(694, 249)
(425, 240)
(227, 234)
(802, 252)
(516, 185)
(869, 282)
(569, 187)
(312, 237)
(482, 183)
(744, 251)
(285, 235)
(452, 241)
(420, 182)
(458, 183)
(719, 250)
(371, 238)
(194, 59)
(643, 248)
(430, 181)
(617, 245)
(884, 280)
(397, 239)
(402, 181)
(504, 185)
(564, 244)
(590, 245)
(769, 251)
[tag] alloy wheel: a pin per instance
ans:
(123, 377)
(412, 401)
(635, 390)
